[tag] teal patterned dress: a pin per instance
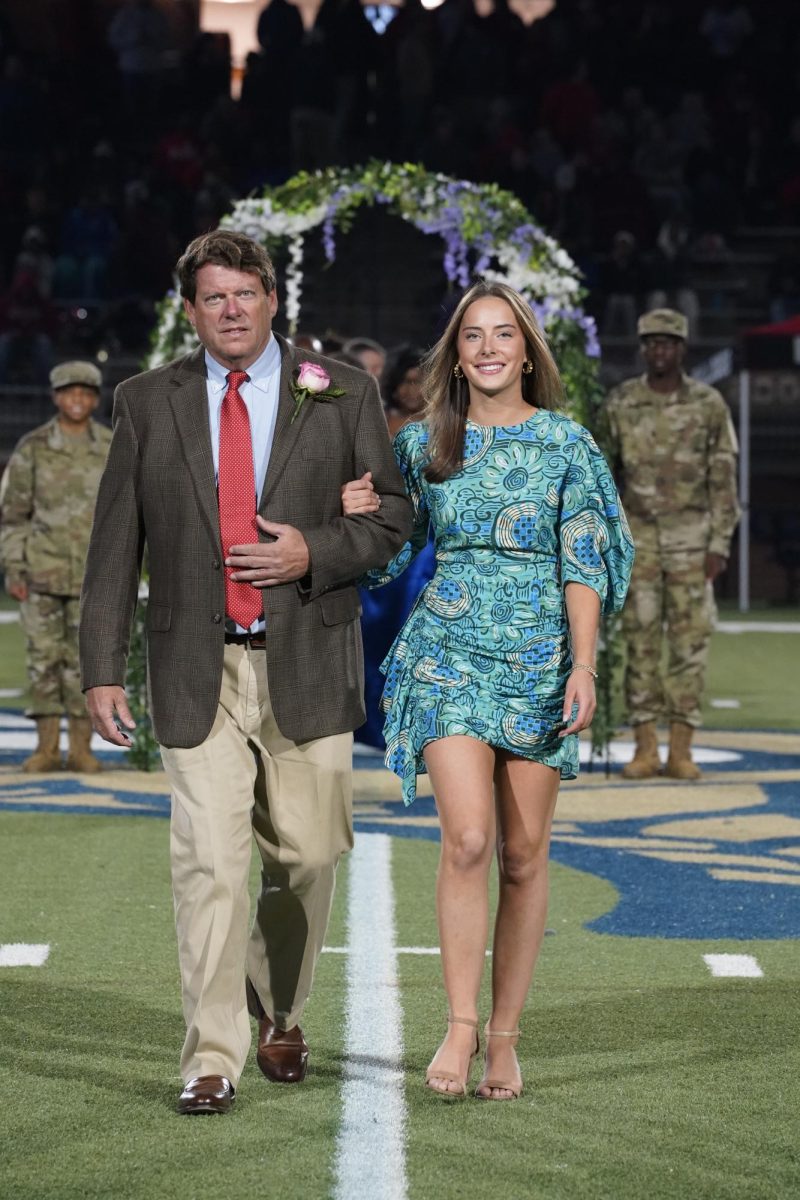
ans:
(485, 651)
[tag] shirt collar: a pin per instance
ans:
(261, 372)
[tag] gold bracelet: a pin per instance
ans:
(585, 667)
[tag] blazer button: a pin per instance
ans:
(217, 618)
(216, 564)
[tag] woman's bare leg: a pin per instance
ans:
(526, 795)
(461, 771)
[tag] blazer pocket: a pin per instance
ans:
(159, 617)
(340, 606)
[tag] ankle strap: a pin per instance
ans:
(502, 1032)
(462, 1021)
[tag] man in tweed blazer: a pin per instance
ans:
(255, 725)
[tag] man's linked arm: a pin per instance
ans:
(347, 547)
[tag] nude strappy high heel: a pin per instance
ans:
(507, 1085)
(461, 1080)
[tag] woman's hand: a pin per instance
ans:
(359, 496)
(580, 691)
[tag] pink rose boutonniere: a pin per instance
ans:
(312, 380)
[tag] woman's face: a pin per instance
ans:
(491, 346)
(408, 393)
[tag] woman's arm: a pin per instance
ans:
(583, 616)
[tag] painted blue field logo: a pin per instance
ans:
(719, 859)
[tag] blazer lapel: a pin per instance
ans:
(188, 397)
(286, 430)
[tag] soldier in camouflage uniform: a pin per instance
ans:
(672, 446)
(47, 499)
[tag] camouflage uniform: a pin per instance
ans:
(47, 497)
(675, 460)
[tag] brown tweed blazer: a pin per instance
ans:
(159, 491)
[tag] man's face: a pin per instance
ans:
(232, 315)
(663, 355)
(76, 404)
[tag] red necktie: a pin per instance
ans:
(237, 498)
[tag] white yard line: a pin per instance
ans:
(757, 627)
(24, 954)
(370, 1151)
(735, 966)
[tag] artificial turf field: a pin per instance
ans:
(645, 1076)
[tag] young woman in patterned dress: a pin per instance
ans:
(492, 677)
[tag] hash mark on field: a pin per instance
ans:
(24, 954)
(740, 966)
(370, 1157)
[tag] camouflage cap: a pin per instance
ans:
(665, 321)
(75, 374)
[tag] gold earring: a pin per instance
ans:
(459, 374)
(527, 367)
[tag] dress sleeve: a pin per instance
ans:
(410, 459)
(595, 543)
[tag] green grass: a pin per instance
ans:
(90, 1043)
(644, 1076)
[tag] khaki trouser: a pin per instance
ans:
(669, 599)
(296, 799)
(50, 624)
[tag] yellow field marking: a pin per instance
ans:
(634, 843)
(706, 858)
(82, 800)
(732, 876)
(617, 804)
(736, 828)
(415, 822)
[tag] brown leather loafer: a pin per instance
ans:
(282, 1054)
(207, 1094)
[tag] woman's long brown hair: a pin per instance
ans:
(447, 398)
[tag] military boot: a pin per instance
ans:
(645, 761)
(679, 764)
(80, 757)
(46, 756)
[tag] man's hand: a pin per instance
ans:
(359, 496)
(715, 565)
(19, 591)
(103, 703)
(267, 563)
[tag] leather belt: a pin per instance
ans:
(254, 641)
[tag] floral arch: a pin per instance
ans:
(485, 231)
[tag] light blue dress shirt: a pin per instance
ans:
(260, 394)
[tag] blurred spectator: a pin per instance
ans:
(401, 385)
(726, 25)
(35, 258)
(784, 290)
(88, 237)
(139, 35)
(668, 272)
(569, 108)
(28, 323)
(369, 355)
(621, 281)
